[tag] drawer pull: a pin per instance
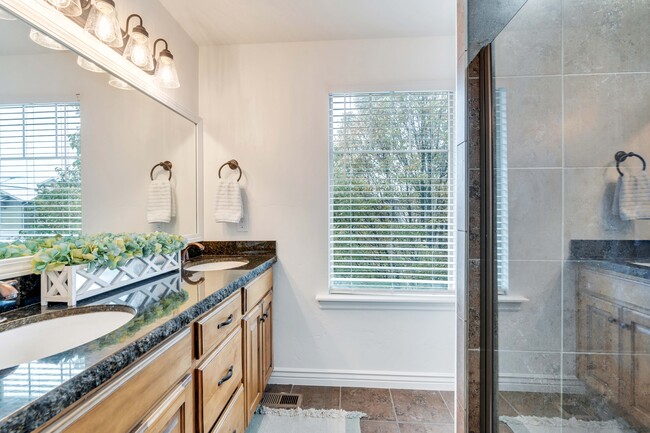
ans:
(625, 326)
(227, 377)
(226, 323)
(611, 319)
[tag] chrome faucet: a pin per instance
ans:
(8, 290)
(185, 254)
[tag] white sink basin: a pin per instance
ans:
(217, 266)
(51, 336)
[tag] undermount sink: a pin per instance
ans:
(58, 332)
(220, 265)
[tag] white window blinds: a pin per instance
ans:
(391, 209)
(40, 181)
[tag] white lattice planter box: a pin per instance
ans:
(75, 283)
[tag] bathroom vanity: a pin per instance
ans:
(196, 358)
(613, 333)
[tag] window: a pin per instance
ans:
(391, 210)
(40, 163)
(501, 174)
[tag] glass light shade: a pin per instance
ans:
(119, 84)
(138, 51)
(7, 16)
(88, 65)
(45, 41)
(102, 23)
(71, 8)
(165, 74)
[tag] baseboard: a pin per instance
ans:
(540, 383)
(364, 379)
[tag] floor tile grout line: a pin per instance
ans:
(392, 402)
(453, 417)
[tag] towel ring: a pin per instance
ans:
(233, 165)
(167, 165)
(621, 156)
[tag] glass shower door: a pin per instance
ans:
(571, 89)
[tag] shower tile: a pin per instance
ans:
(634, 95)
(531, 43)
(537, 325)
(592, 120)
(588, 199)
(474, 216)
(543, 404)
(605, 36)
(533, 120)
(473, 123)
(534, 373)
(535, 214)
(473, 305)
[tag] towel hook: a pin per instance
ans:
(621, 156)
(167, 165)
(233, 165)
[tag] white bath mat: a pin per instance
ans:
(308, 420)
(535, 424)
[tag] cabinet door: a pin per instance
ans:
(173, 414)
(598, 336)
(635, 364)
(267, 338)
(252, 360)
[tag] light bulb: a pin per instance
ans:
(45, 41)
(103, 24)
(140, 56)
(137, 49)
(119, 84)
(166, 74)
(88, 65)
(60, 3)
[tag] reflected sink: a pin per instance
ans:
(220, 265)
(57, 332)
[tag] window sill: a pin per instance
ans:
(438, 302)
(511, 302)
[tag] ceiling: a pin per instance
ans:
(217, 22)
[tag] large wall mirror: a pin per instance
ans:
(76, 153)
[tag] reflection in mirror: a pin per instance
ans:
(76, 153)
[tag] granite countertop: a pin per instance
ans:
(35, 392)
(629, 257)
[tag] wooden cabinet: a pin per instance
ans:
(635, 364)
(217, 378)
(598, 341)
(252, 360)
(613, 340)
(266, 340)
(173, 414)
(233, 419)
(137, 394)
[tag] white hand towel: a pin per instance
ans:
(173, 199)
(632, 197)
(159, 201)
(228, 204)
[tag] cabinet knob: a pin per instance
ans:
(625, 326)
(611, 319)
(264, 317)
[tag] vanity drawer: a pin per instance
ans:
(213, 328)
(233, 418)
(217, 379)
(256, 289)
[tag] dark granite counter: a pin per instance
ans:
(33, 393)
(629, 257)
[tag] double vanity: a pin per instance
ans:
(195, 356)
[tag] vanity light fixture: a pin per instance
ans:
(71, 8)
(137, 49)
(102, 23)
(119, 84)
(165, 74)
(45, 41)
(88, 65)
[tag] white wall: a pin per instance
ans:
(266, 105)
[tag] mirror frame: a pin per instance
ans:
(56, 25)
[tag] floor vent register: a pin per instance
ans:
(281, 400)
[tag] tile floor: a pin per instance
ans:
(389, 410)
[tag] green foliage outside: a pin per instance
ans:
(390, 191)
(56, 209)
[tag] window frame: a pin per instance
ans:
(410, 298)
